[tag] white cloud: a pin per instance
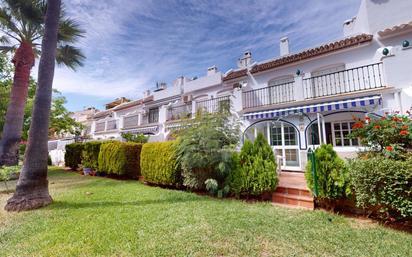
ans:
(130, 44)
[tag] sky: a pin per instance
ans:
(132, 44)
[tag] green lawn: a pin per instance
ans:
(102, 217)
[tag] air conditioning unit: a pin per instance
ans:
(187, 98)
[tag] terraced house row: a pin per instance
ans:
(297, 100)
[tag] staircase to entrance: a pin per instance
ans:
(292, 191)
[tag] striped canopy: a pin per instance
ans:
(315, 108)
(143, 130)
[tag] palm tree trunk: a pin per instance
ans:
(32, 189)
(9, 145)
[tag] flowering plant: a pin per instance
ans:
(390, 135)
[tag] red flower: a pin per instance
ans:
(389, 148)
(403, 132)
(357, 125)
(404, 127)
(376, 127)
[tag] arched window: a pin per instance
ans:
(283, 138)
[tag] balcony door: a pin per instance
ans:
(283, 138)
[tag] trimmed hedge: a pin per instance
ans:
(90, 154)
(158, 163)
(384, 185)
(120, 158)
(73, 155)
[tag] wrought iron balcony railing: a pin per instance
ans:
(346, 81)
(214, 105)
(276, 94)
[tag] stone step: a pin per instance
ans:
(293, 191)
(293, 200)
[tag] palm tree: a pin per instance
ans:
(22, 24)
(32, 188)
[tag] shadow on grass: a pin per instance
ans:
(106, 204)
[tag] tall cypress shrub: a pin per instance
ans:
(256, 173)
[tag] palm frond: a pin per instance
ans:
(30, 11)
(7, 23)
(69, 31)
(7, 49)
(4, 40)
(70, 56)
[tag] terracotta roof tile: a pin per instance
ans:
(235, 74)
(395, 29)
(313, 52)
(306, 54)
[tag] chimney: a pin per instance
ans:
(284, 46)
(211, 70)
(146, 93)
(245, 60)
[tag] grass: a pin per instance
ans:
(102, 217)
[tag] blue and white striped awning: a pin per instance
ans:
(315, 108)
(143, 130)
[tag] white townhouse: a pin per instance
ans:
(297, 100)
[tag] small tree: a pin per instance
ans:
(135, 138)
(256, 173)
(205, 149)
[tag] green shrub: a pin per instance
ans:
(390, 135)
(135, 138)
(73, 155)
(256, 173)
(158, 163)
(8, 173)
(205, 149)
(90, 154)
(120, 158)
(332, 173)
(383, 184)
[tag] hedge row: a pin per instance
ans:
(73, 155)
(90, 154)
(158, 163)
(120, 158)
(384, 184)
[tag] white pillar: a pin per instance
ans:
(237, 100)
(193, 108)
(162, 114)
(299, 88)
(121, 122)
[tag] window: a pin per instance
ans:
(290, 135)
(341, 131)
(276, 135)
(282, 137)
(154, 115)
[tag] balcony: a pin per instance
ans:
(347, 81)
(104, 126)
(363, 78)
(131, 121)
(100, 126)
(179, 112)
(214, 105)
(276, 94)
